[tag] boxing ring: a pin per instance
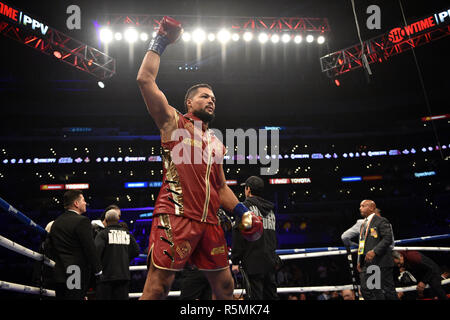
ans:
(284, 254)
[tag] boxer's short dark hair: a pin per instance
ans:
(192, 90)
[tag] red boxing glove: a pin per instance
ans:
(251, 226)
(168, 32)
(170, 28)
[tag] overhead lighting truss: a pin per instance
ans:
(19, 26)
(381, 48)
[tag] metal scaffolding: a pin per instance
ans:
(57, 44)
(273, 24)
(381, 48)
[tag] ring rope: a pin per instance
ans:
(302, 289)
(339, 252)
(326, 249)
(51, 293)
(21, 217)
(6, 243)
(10, 286)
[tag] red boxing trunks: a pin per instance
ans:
(176, 240)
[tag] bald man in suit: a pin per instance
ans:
(375, 263)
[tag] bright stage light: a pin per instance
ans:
(131, 35)
(285, 38)
(198, 36)
(263, 37)
(101, 84)
(309, 38)
(57, 54)
(106, 35)
(211, 37)
(298, 39)
(223, 36)
(235, 37)
(320, 39)
(186, 36)
(144, 36)
(118, 36)
(275, 38)
(248, 36)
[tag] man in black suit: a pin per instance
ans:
(375, 264)
(73, 249)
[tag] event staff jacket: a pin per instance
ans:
(116, 247)
(257, 257)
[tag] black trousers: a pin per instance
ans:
(386, 290)
(262, 287)
(436, 287)
(112, 290)
(63, 293)
(195, 286)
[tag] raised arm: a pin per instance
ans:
(157, 105)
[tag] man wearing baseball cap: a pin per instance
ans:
(257, 260)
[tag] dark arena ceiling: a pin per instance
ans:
(270, 84)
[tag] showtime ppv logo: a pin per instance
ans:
(397, 35)
(21, 18)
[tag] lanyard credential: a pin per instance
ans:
(367, 228)
(361, 240)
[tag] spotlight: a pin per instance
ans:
(263, 37)
(186, 36)
(101, 84)
(298, 39)
(235, 37)
(285, 38)
(223, 36)
(118, 36)
(144, 36)
(154, 34)
(57, 54)
(248, 36)
(211, 37)
(309, 38)
(320, 39)
(198, 36)
(275, 38)
(106, 35)
(131, 35)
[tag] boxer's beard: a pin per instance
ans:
(204, 116)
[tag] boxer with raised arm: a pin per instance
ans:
(185, 225)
